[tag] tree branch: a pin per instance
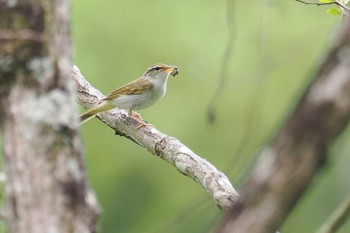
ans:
(286, 167)
(165, 147)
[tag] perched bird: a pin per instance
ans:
(138, 94)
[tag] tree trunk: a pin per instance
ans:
(46, 184)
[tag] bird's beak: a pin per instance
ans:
(173, 70)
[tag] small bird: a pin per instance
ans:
(138, 94)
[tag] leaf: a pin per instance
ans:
(326, 1)
(334, 11)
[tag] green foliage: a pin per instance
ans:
(338, 9)
(334, 11)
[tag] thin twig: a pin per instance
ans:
(341, 5)
(338, 218)
(226, 58)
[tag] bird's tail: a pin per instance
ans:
(104, 106)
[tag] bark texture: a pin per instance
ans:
(46, 185)
(286, 167)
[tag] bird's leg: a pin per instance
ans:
(138, 118)
(130, 111)
(134, 114)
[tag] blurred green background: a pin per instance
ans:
(276, 48)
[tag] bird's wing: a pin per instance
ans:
(133, 88)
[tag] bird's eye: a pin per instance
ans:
(157, 68)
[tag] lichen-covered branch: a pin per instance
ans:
(167, 148)
(286, 167)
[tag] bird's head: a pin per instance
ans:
(161, 71)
